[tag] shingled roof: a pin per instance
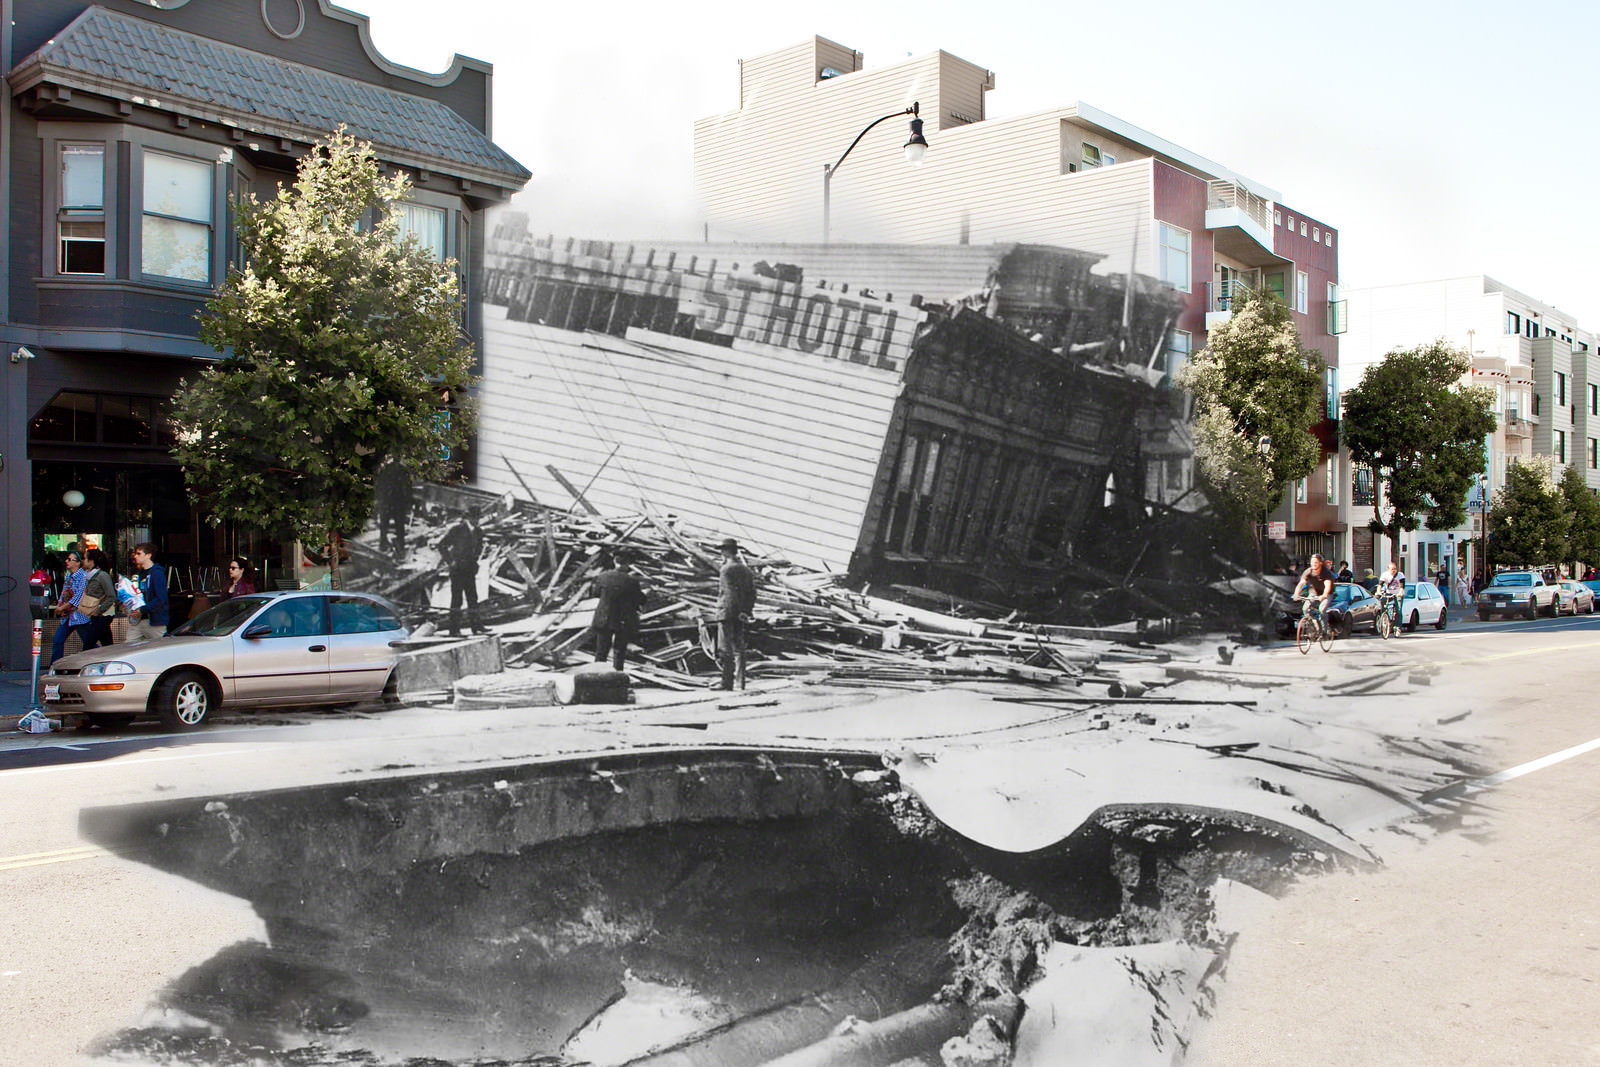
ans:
(130, 58)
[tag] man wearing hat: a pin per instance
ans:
(616, 616)
(736, 601)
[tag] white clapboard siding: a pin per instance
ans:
(775, 447)
(759, 173)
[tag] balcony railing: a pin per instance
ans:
(1221, 295)
(1226, 194)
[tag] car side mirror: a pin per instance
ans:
(259, 630)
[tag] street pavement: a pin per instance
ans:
(1475, 944)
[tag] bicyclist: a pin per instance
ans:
(1393, 584)
(1317, 581)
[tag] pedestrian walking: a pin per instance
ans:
(459, 547)
(241, 579)
(98, 603)
(71, 618)
(735, 601)
(150, 621)
(616, 616)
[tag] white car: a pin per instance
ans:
(1524, 593)
(1422, 603)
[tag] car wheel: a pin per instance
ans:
(1531, 611)
(1413, 622)
(1444, 619)
(1591, 608)
(182, 700)
(1483, 616)
(391, 691)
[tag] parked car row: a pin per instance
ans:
(1530, 593)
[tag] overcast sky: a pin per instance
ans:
(1440, 137)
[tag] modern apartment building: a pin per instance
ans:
(1073, 176)
(1543, 367)
(128, 127)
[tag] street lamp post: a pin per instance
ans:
(915, 149)
(1483, 530)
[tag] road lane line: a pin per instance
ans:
(1489, 781)
(41, 859)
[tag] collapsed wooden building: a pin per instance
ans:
(901, 413)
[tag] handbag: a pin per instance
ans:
(88, 603)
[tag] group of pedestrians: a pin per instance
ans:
(620, 596)
(90, 595)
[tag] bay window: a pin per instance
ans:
(81, 217)
(175, 238)
(426, 224)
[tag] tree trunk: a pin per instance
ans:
(333, 559)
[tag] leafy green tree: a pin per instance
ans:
(345, 340)
(1583, 507)
(1421, 432)
(1528, 520)
(1258, 393)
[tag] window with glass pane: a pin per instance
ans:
(175, 240)
(1302, 291)
(1333, 479)
(81, 222)
(424, 223)
(69, 417)
(1179, 344)
(1175, 257)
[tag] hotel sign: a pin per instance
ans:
(825, 322)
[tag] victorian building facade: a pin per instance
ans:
(128, 130)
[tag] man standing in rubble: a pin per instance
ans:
(459, 547)
(616, 616)
(735, 602)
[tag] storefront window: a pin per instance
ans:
(106, 419)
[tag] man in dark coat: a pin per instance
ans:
(459, 547)
(735, 602)
(616, 616)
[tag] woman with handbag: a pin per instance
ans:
(67, 609)
(99, 600)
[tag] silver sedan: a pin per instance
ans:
(1576, 597)
(260, 650)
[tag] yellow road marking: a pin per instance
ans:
(60, 855)
(1512, 655)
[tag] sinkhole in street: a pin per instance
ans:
(697, 908)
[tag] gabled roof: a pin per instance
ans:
(128, 58)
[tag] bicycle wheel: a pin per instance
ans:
(1324, 634)
(1384, 625)
(1303, 633)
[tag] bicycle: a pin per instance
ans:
(1312, 628)
(1388, 621)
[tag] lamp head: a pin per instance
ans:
(917, 147)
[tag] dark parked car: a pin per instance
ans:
(1352, 609)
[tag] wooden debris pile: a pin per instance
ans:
(539, 564)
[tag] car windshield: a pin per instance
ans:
(225, 618)
(1513, 579)
(1411, 589)
(1343, 594)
